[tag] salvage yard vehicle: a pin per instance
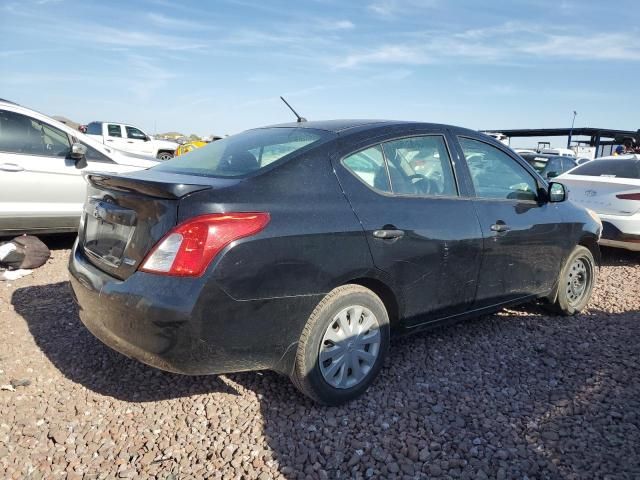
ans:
(549, 166)
(41, 166)
(131, 139)
(610, 186)
(301, 247)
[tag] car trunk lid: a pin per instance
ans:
(126, 215)
(600, 194)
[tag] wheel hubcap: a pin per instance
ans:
(350, 347)
(578, 281)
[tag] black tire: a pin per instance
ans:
(307, 375)
(567, 301)
(162, 156)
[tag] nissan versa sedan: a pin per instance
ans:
(300, 248)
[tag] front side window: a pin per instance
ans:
(114, 131)
(133, 132)
(244, 153)
(420, 166)
(368, 165)
(22, 134)
(495, 174)
(94, 155)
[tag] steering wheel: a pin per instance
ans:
(424, 183)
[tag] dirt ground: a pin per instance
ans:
(519, 394)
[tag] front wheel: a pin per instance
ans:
(576, 282)
(342, 346)
(162, 156)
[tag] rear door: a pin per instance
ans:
(422, 232)
(525, 240)
(114, 137)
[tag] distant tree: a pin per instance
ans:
(194, 138)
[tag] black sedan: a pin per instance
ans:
(300, 248)
(550, 166)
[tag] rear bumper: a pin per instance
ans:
(187, 326)
(621, 231)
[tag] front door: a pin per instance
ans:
(137, 141)
(421, 233)
(40, 186)
(524, 238)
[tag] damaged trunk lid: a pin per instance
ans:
(125, 215)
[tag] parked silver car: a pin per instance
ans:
(41, 167)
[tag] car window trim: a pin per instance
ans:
(379, 143)
(540, 182)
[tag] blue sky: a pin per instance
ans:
(219, 67)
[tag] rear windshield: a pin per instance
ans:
(538, 163)
(609, 168)
(244, 153)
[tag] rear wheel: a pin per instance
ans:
(576, 282)
(342, 346)
(162, 156)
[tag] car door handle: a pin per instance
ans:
(388, 234)
(129, 141)
(109, 140)
(500, 227)
(11, 167)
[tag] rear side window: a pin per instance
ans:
(609, 168)
(114, 131)
(368, 165)
(420, 166)
(495, 174)
(244, 153)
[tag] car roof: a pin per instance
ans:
(342, 125)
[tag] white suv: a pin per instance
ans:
(41, 165)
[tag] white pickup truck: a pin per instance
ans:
(131, 139)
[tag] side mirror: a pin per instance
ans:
(147, 138)
(78, 151)
(78, 154)
(552, 174)
(557, 192)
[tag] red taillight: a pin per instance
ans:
(629, 196)
(188, 249)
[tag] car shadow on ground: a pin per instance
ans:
(510, 395)
(618, 256)
(51, 315)
(505, 396)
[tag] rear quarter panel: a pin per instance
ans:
(312, 243)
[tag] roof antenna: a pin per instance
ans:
(300, 119)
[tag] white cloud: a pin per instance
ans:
(507, 43)
(174, 22)
(337, 25)
(389, 8)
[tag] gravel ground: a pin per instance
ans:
(514, 395)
